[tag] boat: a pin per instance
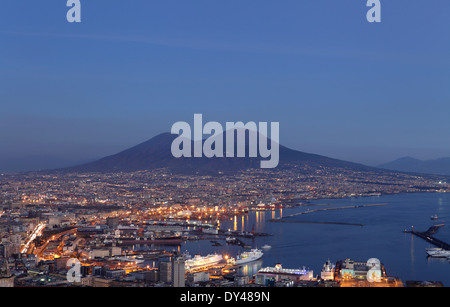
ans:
(441, 254)
(129, 260)
(266, 247)
(438, 253)
(432, 251)
(198, 261)
(434, 217)
(215, 243)
(250, 256)
(230, 239)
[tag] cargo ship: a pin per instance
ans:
(250, 256)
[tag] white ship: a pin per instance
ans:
(129, 260)
(432, 251)
(438, 253)
(250, 256)
(199, 261)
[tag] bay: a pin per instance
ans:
(295, 245)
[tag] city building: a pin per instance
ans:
(178, 272)
(372, 273)
(370, 270)
(6, 279)
(198, 277)
(165, 271)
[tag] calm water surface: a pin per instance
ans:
(310, 245)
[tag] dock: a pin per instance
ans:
(314, 222)
(329, 209)
(427, 236)
(283, 218)
(242, 244)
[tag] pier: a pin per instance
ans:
(283, 218)
(328, 209)
(427, 236)
(313, 222)
(240, 243)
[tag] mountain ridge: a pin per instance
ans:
(156, 153)
(440, 166)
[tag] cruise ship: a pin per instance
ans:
(245, 257)
(129, 260)
(199, 261)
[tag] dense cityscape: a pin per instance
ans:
(97, 219)
(223, 151)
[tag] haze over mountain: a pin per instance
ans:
(156, 153)
(36, 163)
(408, 164)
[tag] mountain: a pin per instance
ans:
(156, 153)
(407, 164)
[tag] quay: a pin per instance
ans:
(427, 236)
(240, 243)
(313, 222)
(328, 209)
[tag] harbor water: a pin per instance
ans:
(381, 235)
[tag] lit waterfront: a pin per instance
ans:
(310, 245)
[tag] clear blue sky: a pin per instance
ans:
(338, 85)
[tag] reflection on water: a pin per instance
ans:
(250, 269)
(437, 260)
(254, 221)
(298, 244)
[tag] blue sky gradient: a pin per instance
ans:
(338, 85)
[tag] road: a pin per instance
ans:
(37, 232)
(41, 250)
